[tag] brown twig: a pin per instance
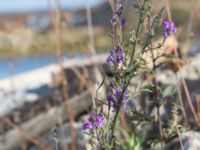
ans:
(97, 74)
(188, 97)
(157, 98)
(167, 3)
(111, 3)
(195, 7)
(189, 100)
(181, 101)
(72, 145)
(156, 92)
(83, 79)
(90, 30)
(51, 15)
(179, 137)
(197, 96)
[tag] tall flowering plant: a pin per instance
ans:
(127, 61)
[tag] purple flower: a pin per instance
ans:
(165, 23)
(117, 92)
(123, 105)
(126, 94)
(110, 98)
(116, 56)
(123, 22)
(172, 27)
(113, 97)
(111, 57)
(119, 55)
(99, 121)
(87, 125)
(95, 121)
(169, 28)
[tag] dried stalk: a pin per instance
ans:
(169, 14)
(60, 62)
(97, 74)
(157, 98)
(188, 97)
(179, 137)
(156, 92)
(181, 101)
(195, 7)
(83, 80)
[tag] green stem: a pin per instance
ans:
(138, 30)
(116, 117)
(113, 127)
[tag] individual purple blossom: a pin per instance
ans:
(120, 55)
(173, 27)
(95, 121)
(165, 23)
(116, 56)
(112, 101)
(113, 97)
(87, 125)
(99, 121)
(117, 92)
(111, 57)
(110, 98)
(123, 105)
(169, 28)
(126, 94)
(123, 22)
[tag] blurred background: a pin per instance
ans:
(52, 54)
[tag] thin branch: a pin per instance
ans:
(181, 100)
(179, 137)
(58, 37)
(195, 7)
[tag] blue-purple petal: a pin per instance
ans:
(169, 28)
(87, 125)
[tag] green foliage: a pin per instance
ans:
(135, 45)
(133, 142)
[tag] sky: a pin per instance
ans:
(8, 6)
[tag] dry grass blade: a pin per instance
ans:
(189, 100)
(58, 37)
(83, 80)
(179, 137)
(195, 7)
(181, 101)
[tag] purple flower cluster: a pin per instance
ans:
(95, 121)
(113, 97)
(116, 56)
(169, 28)
(123, 22)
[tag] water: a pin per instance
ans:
(21, 65)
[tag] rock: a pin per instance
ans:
(195, 50)
(191, 141)
(190, 71)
